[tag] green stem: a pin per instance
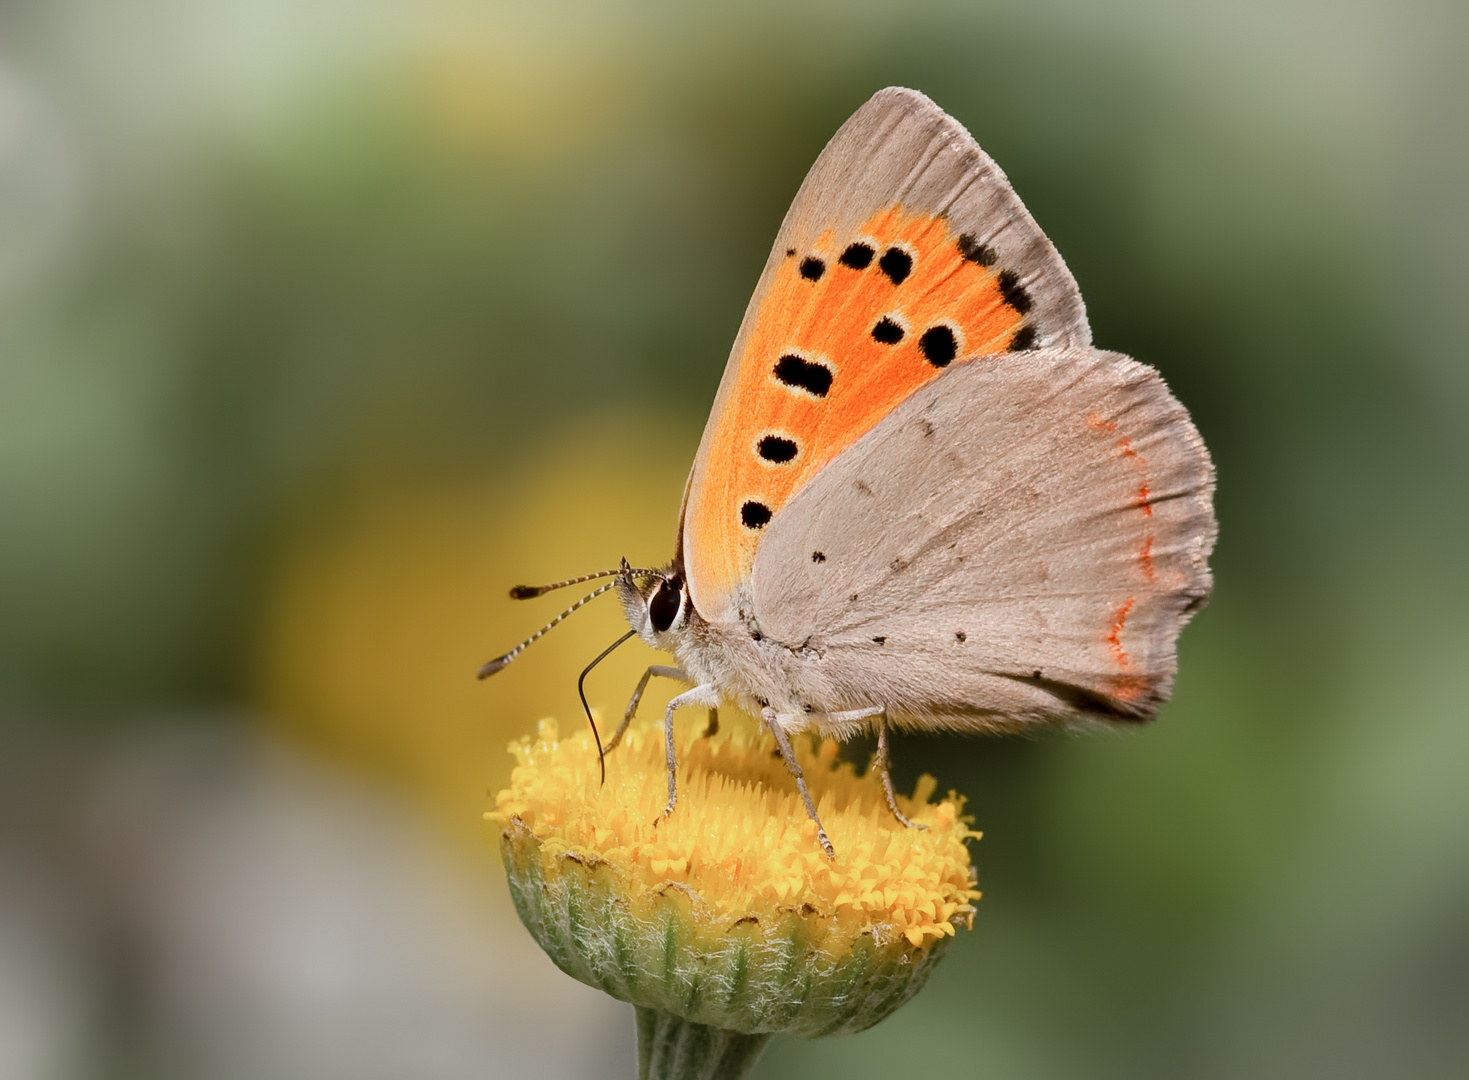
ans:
(672, 1048)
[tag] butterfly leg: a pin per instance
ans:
(662, 671)
(840, 719)
(880, 763)
(699, 695)
(772, 721)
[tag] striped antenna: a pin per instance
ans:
(501, 661)
(527, 592)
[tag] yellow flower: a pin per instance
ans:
(725, 922)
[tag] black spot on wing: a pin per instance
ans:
(1013, 292)
(879, 640)
(938, 345)
(774, 448)
(973, 251)
(857, 256)
(812, 268)
(818, 556)
(1024, 339)
(802, 374)
(790, 252)
(887, 332)
(960, 636)
(754, 515)
(897, 264)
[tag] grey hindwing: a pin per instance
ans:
(1021, 539)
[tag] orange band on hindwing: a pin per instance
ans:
(848, 328)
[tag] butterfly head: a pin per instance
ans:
(657, 606)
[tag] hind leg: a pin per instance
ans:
(772, 721)
(880, 763)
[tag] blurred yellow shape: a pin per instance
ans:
(389, 595)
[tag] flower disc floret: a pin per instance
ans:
(728, 912)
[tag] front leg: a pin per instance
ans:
(699, 695)
(772, 721)
(662, 671)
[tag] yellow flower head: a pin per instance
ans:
(728, 912)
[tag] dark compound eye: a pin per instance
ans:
(938, 345)
(795, 372)
(774, 448)
(973, 251)
(1013, 292)
(812, 268)
(755, 515)
(887, 332)
(897, 264)
(663, 608)
(857, 256)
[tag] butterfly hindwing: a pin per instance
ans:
(905, 250)
(1027, 532)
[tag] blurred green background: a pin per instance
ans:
(323, 322)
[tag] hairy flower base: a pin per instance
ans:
(727, 913)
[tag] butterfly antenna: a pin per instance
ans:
(581, 690)
(501, 661)
(527, 592)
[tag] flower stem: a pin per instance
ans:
(672, 1048)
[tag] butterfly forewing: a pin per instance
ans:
(905, 251)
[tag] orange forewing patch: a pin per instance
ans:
(830, 321)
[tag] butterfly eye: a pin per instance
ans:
(664, 607)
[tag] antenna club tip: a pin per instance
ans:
(525, 592)
(493, 666)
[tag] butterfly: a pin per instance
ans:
(922, 499)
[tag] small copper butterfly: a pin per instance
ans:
(922, 497)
